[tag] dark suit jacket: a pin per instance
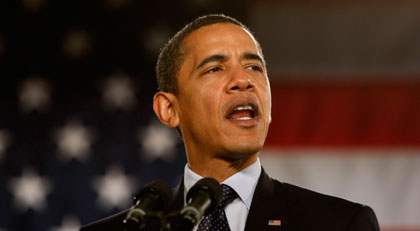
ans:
(296, 208)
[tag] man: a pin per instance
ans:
(214, 89)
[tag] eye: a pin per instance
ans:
(213, 69)
(255, 68)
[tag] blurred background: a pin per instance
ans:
(78, 136)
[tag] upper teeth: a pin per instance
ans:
(239, 108)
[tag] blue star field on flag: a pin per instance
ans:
(78, 135)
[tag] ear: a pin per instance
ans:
(164, 107)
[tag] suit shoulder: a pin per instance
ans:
(318, 208)
(114, 223)
(313, 198)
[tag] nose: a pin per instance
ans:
(239, 81)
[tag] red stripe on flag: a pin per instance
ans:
(345, 114)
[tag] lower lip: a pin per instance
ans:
(245, 123)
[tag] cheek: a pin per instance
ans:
(200, 105)
(210, 102)
(266, 98)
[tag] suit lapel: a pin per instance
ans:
(267, 204)
(178, 197)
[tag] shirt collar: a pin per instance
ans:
(243, 182)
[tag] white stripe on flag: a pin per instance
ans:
(386, 180)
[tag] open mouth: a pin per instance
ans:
(242, 111)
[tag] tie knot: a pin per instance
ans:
(228, 195)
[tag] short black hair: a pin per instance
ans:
(171, 56)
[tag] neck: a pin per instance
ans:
(219, 168)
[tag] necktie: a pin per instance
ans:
(217, 219)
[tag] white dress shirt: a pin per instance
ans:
(243, 182)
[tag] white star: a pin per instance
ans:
(76, 44)
(114, 188)
(119, 92)
(34, 94)
(158, 141)
(30, 191)
(4, 142)
(70, 223)
(73, 141)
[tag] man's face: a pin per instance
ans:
(224, 99)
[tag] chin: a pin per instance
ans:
(242, 151)
(239, 156)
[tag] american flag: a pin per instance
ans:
(345, 81)
(78, 135)
(274, 222)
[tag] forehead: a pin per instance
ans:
(218, 37)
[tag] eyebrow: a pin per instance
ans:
(253, 56)
(221, 58)
(212, 58)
